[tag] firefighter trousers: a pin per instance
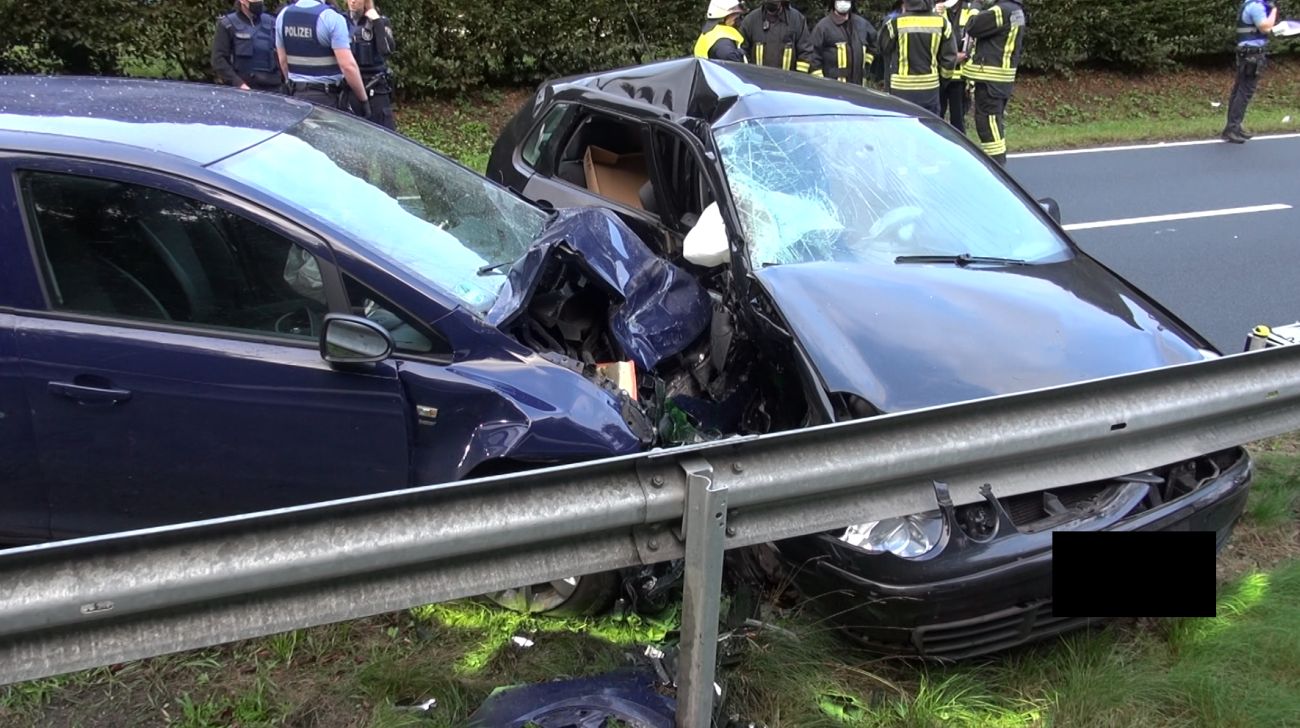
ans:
(990, 118)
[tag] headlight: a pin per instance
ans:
(908, 537)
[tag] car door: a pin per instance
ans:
(172, 366)
(560, 150)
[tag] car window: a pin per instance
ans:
(408, 337)
(124, 250)
(541, 136)
(872, 190)
(606, 155)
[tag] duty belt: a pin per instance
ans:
(329, 88)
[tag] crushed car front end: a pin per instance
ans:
(985, 582)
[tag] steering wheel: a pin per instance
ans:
(303, 321)
(892, 222)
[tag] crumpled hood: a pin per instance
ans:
(909, 336)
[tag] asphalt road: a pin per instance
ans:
(1221, 274)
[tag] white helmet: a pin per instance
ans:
(719, 9)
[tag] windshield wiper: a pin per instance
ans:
(963, 260)
(494, 267)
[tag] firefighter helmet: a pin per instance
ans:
(719, 9)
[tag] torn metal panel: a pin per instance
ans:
(655, 309)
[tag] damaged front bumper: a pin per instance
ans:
(975, 597)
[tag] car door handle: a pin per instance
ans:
(89, 395)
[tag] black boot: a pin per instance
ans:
(1233, 136)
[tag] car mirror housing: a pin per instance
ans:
(354, 340)
(1051, 207)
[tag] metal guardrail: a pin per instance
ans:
(91, 602)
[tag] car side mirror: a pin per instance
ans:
(349, 339)
(1052, 209)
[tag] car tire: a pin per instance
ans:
(578, 596)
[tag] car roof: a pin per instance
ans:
(723, 92)
(199, 122)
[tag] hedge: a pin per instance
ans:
(451, 45)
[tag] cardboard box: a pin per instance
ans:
(616, 176)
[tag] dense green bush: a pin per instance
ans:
(450, 45)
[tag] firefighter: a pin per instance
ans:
(243, 49)
(844, 45)
(916, 46)
(998, 35)
(1254, 21)
(776, 35)
(372, 44)
(719, 38)
(953, 98)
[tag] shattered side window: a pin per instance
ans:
(869, 189)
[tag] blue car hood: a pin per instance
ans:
(909, 336)
(658, 309)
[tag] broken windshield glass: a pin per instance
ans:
(871, 190)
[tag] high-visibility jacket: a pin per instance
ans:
(999, 33)
(959, 15)
(844, 51)
(916, 45)
(782, 43)
(719, 41)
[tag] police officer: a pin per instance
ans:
(719, 38)
(916, 45)
(776, 35)
(372, 44)
(953, 100)
(314, 47)
(243, 49)
(998, 34)
(1254, 21)
(844, 44)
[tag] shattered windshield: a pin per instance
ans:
(873, 190)
(412, 209)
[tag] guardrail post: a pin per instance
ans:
(704, 528)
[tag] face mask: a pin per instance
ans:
(772, 7)
(843, 6)
(256, 9)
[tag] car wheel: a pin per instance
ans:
(575, 596)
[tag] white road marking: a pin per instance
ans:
(1155, 145)
(1176, 216)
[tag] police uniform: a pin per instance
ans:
(309, 31)
(719, 41)
(782, 42)
(915, 46)
(844, 51)
(243, 51)
(998, 34)
(1251, 59)
(953, 100)
(372, 44)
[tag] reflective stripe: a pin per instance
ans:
(924, 82)
(311, 61)
(997, 15)
(919, 23)
(994, 148)
(993, 127)
(758, 53)
(841, 55)
(902, 56)
(787, 56)
(977, 72)
(1010, 47)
